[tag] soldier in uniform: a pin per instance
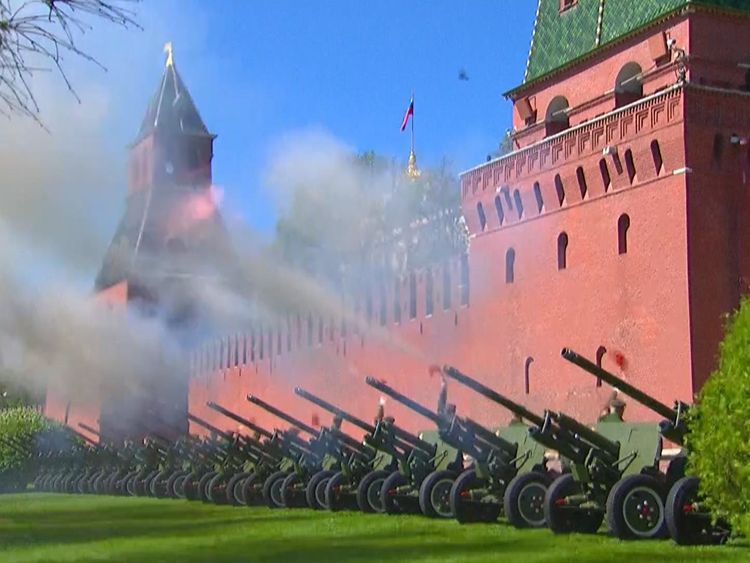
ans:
(615, 410)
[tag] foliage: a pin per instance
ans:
(36, 34)
(720, 426)
(46, 527)
(19, 430)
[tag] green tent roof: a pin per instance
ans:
(562, 37)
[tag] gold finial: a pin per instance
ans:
(412, 170)
(170, 53)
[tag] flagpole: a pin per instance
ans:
(412, 123)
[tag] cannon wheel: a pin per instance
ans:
(466, 511)
(233, 489)
(333, 498)
(635, 509)
(434, 494)
(388, 497)
(685, 526)
(203, 483)
(293, 491)
(272, 489)
(312, 495)
(252, 490)
(216, 489)
(567, 519)
(523, 500)
(178, 485)
(369, 498)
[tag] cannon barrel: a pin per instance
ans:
(208, 426)
(493, 395)
(404, 400)
(91, 429)
(323, 404)
(282, 415)
(237, 418)
(490, 437)
(622, 385)
(591, 436)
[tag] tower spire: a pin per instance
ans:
(169, 50)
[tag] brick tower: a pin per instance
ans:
(171, 231)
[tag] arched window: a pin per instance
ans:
(623, 224)
(320, 330)
(606, 178)
(236, 350)
(412, 295)
(527, 375)
(499, 210)
(582, 182)
(518, 202)
(630, 165)
(562, 251)
(261, 341)
(252, 345)
(368, 304)
(656, 154)
(465, 287)
(538, 197)
(560, 190)
(397, 301)
(557, 116)
(510, 264)
(446, 286)
(383, 305)
(628, 85)
(309, 330)
(600, 351)
(718, 149)
(221, 354)
(429, 293)
(482, 217)
(244, 349)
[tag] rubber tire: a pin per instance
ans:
(202, 488)
(288, 495)
(618, 525)
(393, 481)
(568, 521)
(158, 485)
(252, 490)
(275, 479)
(169, 485)
(426, 489)
(321, 478)
(235, 482)
(372, 479)
(681, 529)
(216, 489)
(333, 499)
(465, 512)
(178, 486)
(513, 493)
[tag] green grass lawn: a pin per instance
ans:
(52, 528)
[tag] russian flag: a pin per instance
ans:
(409, 113)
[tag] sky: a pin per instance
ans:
(262, 70)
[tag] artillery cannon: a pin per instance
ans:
(245, 487)
(311, 463)
(426, 471)
(358, 483)
(510, 471)
(687, 519)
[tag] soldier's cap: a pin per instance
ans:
(390, 419)
(617, 403)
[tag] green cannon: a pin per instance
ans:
(246, 486)
(614, 470)
(509, 474)
(688, 520)
(226, 454)
(312, 464)
(429, 471)
(357, 484)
